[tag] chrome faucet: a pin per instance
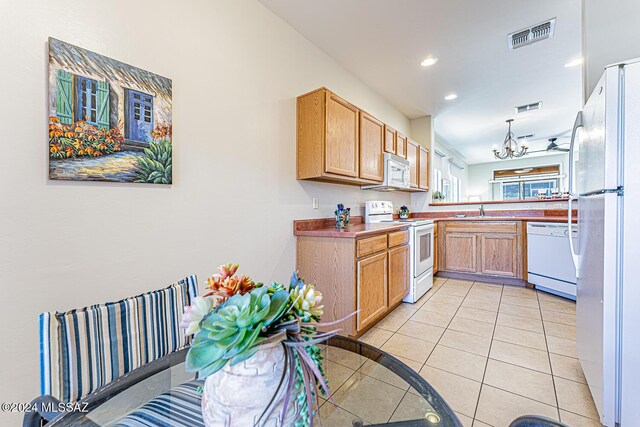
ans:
(481, 210)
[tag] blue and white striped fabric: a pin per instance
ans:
(84, 349)
(178, 407)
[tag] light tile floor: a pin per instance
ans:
(493, 352)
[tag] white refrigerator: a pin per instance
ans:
(605, 186)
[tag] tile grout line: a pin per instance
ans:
(398, 405)
(503, 389)
(407, 391)
(553, 380)
(495, 324)
(484, 374)
(447, 328)
(396, 332)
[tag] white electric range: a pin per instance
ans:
(420, 246)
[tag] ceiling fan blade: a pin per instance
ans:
(555, 147)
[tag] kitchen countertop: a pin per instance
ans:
(325, 227)
(508, 218)
(531, 215)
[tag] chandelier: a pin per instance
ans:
(511, 149)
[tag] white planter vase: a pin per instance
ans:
(238, 395)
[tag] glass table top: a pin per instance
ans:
(369, 387)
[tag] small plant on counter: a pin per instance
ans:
(438, 196)
(403, 212)
(238, 317)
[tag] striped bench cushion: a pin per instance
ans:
(84, 349)
(178, 407)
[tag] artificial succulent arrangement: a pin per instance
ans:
(237, 316)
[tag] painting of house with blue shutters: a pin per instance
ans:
(108, 121)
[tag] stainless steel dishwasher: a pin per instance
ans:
(550, 265)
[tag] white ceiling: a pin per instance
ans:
(383, 42)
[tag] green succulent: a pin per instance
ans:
(231, 333)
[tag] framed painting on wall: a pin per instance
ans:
(108, 121)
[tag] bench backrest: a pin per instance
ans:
(84, 349)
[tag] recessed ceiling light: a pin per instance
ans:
(451, 97)
(573, 63)
(429, 61)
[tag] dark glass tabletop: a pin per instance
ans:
(369, 387)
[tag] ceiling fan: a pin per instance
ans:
(555, 147)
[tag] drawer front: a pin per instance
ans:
(481, 226)
(371, 245)
(398, 238)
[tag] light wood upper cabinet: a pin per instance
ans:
(461, 252)
(338, 142)
(389, 139)
(371, 289)
(398, 274)
(499, 254)
(342, 146)
(328, 138)
(401, 145)
(371, 147)
(423, 168)
(413, 156)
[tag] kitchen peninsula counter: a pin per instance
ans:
(535, 215)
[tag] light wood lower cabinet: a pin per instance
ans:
(487, 248)
(369, 274)
(461, 252)
(371, 289)
(398, 274)
(499, 254)
(436, 251)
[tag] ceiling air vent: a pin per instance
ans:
(531, 135)
(529, 107)
(532, 34)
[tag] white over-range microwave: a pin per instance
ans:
(396, 174)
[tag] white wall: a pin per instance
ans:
(422, 133)
(448, 169)
(610, 34)
(480, 174)
(421, 201)
(236, 71)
